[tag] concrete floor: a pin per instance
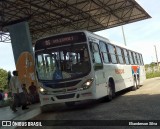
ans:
(7, 114)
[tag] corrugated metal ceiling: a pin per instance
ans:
(46, 17)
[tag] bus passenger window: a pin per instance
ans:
(112, 53)
(141, 58)
(119, 55)
(138, 59)
(135, 59)
(96, 53)
(130, 57)
(104, 52)
(126, 56)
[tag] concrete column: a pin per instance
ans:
(20, 39)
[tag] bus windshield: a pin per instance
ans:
(61, 63)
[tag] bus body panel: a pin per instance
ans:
(122, 74)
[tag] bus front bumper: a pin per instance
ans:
(68, 97)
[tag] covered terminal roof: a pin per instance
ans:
(46, 17)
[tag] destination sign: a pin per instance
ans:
(60, 40)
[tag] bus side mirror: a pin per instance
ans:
(98, 66)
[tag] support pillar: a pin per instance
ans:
(20, 39)
(23, 52)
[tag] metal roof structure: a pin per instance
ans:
(46, 17)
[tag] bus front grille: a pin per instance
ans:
(67, 96)
(58, 85)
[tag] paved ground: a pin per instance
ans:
(142, 104)
(7, 114)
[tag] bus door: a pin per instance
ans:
(97, 62)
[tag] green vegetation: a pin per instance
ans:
(3, 86)
(3, 79)
(152, 70)
(152, 74)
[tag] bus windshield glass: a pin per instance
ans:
(61, 63)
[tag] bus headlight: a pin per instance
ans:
(42, 90)
(87, 84)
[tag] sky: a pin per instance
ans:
(140, 36)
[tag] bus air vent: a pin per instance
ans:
(67, 96)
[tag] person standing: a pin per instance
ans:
(9, 77)
(1, 97)
(17, 92)
(28, 98)
(33, 93)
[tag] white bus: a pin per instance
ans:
(81, 65)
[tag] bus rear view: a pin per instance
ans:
(63, 68)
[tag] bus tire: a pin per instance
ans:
(70, 104)
(138, 85)
(138, 82)
(111, 91)
(134, 87)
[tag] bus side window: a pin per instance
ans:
(126, 57)
(109, 56)
(123, 56)
(119, 55)
(138, 59)
(141, 58)
(104, 52)
(130, 57)
(112, 53)
(95, 52)
(135, 59)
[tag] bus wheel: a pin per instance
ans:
(70, 104)
(138, 84)
(134, 87)
(111, 92)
